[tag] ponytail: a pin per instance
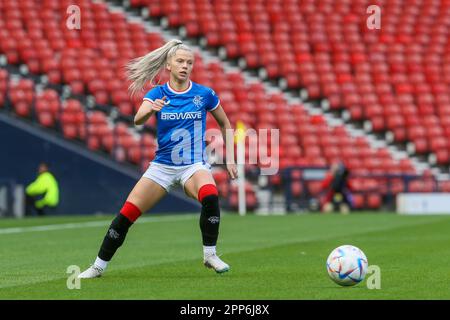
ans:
(145, 68)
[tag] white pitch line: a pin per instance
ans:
(92, 224)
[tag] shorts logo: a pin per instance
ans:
(214, 219)
(113, 233)
(198, 101)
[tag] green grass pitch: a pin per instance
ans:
(271, 257)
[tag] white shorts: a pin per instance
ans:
(167, 176)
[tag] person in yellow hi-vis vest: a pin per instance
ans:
(43, 193)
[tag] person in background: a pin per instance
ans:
(42, 194)
(338, 189)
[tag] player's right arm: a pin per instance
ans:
(147, 109)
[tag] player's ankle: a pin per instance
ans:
(209, 251)
(102, 264)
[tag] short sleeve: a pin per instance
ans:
(153, 94)
(212, 100)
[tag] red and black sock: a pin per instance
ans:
(210, 214)
(115, 236)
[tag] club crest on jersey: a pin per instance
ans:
(198, 101)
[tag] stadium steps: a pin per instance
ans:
(421, 163)
(376, 141)
(102, 13)
(397, 150)
(275, 88)
(250, 76)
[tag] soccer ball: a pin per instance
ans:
(347, 265)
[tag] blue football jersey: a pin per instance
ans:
(181, 123)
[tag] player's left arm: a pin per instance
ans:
(224, 123)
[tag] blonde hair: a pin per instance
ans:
(145, 68)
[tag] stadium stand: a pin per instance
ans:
(92, 127)
(388, 79)
(396, 78)
(391, 85)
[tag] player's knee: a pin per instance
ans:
(208, 193)
(208, 196)
(121, 222)
(210, 214)
(130, 211)
(210, 205)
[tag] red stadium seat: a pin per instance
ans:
(373, 200)
(296, 189)
(358, 201)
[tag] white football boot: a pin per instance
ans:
(214, 262)
(91, 272)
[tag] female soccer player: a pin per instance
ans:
(180, 106)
